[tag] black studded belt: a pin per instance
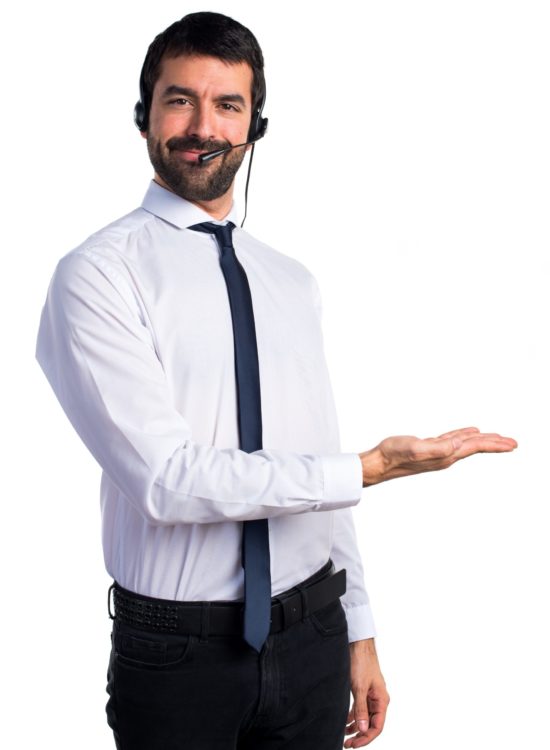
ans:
(225, 618)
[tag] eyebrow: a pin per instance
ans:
(185, 91)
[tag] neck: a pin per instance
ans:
(217, 208)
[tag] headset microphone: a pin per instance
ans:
(214, 154)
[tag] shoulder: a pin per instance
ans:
(117, 238)
(110, 248)
(102, 262)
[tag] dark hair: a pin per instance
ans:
(204, 33)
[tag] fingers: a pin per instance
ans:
(468, 433)
(360, 711)
(485, 443)
(367, 717)
(461, 443)
(359, 718)
(360, 737)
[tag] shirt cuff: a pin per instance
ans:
(360, 622)
(342, 479)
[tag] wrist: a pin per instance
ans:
(372, 463)
(363, 647)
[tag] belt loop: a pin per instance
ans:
(205, 621)
(280, 602)
(111, 615)
(305, 603)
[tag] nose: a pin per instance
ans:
(201, 123)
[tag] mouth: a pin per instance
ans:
(190, 155)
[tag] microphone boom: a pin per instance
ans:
(214, 154)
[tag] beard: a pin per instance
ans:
(192, 180)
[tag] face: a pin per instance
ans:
(199, 104)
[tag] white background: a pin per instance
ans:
(407, 165)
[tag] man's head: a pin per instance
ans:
(202, 88)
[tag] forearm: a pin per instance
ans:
(203, 484)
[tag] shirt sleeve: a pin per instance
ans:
(99, 357)
(345, 554)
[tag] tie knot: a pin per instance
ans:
(222, 232)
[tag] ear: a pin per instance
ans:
(143, 133)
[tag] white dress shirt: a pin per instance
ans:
(136, 340)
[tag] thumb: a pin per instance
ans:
(439, 448)
(361, 713)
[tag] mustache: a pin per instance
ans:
(192, 143)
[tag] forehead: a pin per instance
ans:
(207, 75)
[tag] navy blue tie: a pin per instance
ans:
(255, 545)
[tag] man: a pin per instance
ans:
(148, 340)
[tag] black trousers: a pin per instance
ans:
(178, 692)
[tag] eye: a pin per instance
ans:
(227, 107)
(180, 100)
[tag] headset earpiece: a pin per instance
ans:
(258, 128)
(139, 116)
(141, 110)
(258, 124)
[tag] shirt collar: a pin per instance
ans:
(177, 211)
